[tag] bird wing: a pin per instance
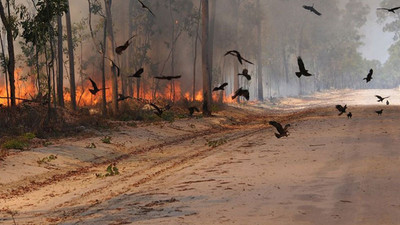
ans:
(246, 94)
(138, 73)
(286, 127)
(247, 61)
(156, 107)
(161, 77)
(237, 92)
(278, 126)
(231, 52)
(93, 84)
(176, 77)
(301, 64)
(383, 9)
(315, 11)
(216, 89)
(379, 97)
(395, 8)
(340, 108)
(223, 85)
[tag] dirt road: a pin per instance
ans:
(330, 170)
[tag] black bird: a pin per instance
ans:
(239, 57)
(220, 88)
(122, 97)
(349, 115)
(192, 109)
(283, 131)
(380, 99)
(302, 68)
(123, 47)
(245, 73)
(160, 111)
(312, 9)
(387, 102)
(379, 112)
(114, 66)
(242, 92)
(137, 74)
(390, 10)
(168, 77)
(145, 7)
(369, 76)
(95, 88)
(341, 109)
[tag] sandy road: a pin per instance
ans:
(330, 170)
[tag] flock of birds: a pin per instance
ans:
(282, 131)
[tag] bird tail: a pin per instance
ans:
(298, 74)
(278, 135)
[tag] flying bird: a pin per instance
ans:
(390, 9)
(369, 76)
(312, 9)
(137, 74)
(168, 77)
(159, 111)
(349, 115)
(302, 68)
(221, 87)
(283, 131)
(123, 47)
(245, 73)
(114, 66)
(122, 97)
(380, 99)
(239, 57)
(95, 88)
(379, 112)
(242, 92)
(145, 7)
(192, 110)
(341, 109)
(387, 102)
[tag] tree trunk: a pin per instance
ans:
(11, 56)
(71, 59)
(211, 38)
(260, 93)
(195, 55)
(205, 60)
(235, 12)
(110, 46)
(130, 24)
(103, 72)
(5, 74)
(60, 79)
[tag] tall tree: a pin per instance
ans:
(260, 93)
(205, 58)
(71, 58)
(60, 78)
(9, 26)
(110, 46)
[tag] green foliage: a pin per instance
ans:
(111, 170)
(106, 140)
(216, 143)
(46, 159)
(29, 136)
(17, 143)
(91, 145)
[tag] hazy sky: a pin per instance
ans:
(376, 41)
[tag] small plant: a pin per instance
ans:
(47, 143)
(216, 143)
(47, 159)
(132, 124)
(111, 170)
(91, 145)
(18, 143)
(106, 140)
(29, 136)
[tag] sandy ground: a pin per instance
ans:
(330, 170)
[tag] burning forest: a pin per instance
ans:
(199, 111)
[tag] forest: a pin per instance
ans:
(199, 111)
